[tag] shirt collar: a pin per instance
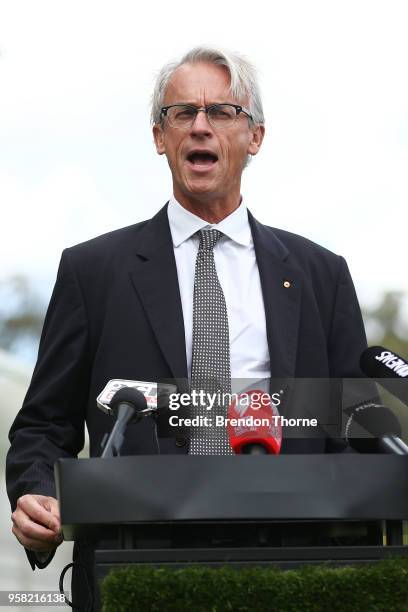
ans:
(183, 224)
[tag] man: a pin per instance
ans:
(125, 304)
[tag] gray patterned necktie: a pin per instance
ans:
(210, 369)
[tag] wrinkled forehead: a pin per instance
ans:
(200, 84)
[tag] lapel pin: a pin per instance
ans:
(286, 284)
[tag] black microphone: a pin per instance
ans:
(381, 424)
(126, 405)
(389, 368)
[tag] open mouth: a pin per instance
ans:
(201, 158)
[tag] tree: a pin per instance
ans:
(21, 316)
(386, 324)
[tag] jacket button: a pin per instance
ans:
(181, 441)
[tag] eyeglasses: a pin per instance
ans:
(182, 116)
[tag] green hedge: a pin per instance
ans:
(382, 587)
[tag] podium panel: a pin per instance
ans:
(285, 510)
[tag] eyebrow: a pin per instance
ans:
(208, 104)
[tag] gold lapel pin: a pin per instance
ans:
(286, 284)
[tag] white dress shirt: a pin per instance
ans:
(238, 273)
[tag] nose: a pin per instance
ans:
(201, 124)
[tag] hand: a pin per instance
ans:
(37, 523)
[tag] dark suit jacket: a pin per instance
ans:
(116, 312)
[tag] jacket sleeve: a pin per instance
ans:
(40, 560)
(347, 341)
(50, 423)
(347, 338)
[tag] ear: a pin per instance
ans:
(158, 136)
(257, 136)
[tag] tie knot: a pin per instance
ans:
(209, 238)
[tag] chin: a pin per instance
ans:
(201, 187)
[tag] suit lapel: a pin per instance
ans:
(154, 277)
(281, 288)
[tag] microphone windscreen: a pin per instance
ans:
(379, 362)
(128, 395)
(377, 420)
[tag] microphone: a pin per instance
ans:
(156, 394)
(253, 424)
(127, 404)
(380, 363)
(379, 422)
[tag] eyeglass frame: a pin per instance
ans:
(239, 109)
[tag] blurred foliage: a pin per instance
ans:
(21, 314)
(386, 325)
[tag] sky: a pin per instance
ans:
(76, 151)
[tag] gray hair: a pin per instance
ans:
(243, 76)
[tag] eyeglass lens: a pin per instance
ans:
(219, 115)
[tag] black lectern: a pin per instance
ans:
(283, 510)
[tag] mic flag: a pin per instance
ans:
(253, 421)
(156, 394)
